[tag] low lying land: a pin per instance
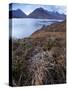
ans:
(41, 58)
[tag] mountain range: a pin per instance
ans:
(38, 13)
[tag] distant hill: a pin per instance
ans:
(44, 14)
(38, 13)
(17, 14)
(52, 29)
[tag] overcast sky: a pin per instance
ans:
(28, 8)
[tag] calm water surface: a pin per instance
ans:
(25, 27)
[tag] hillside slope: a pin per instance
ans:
(57, 29)
(40, 59)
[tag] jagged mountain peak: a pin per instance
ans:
(41, 13)
(40, 8)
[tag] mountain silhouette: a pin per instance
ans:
(17, 14)
(44, 14)
(38, 13)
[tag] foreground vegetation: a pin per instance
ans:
(41, 58)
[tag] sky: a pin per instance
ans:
(28, 8)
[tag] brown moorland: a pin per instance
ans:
(41, 58)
